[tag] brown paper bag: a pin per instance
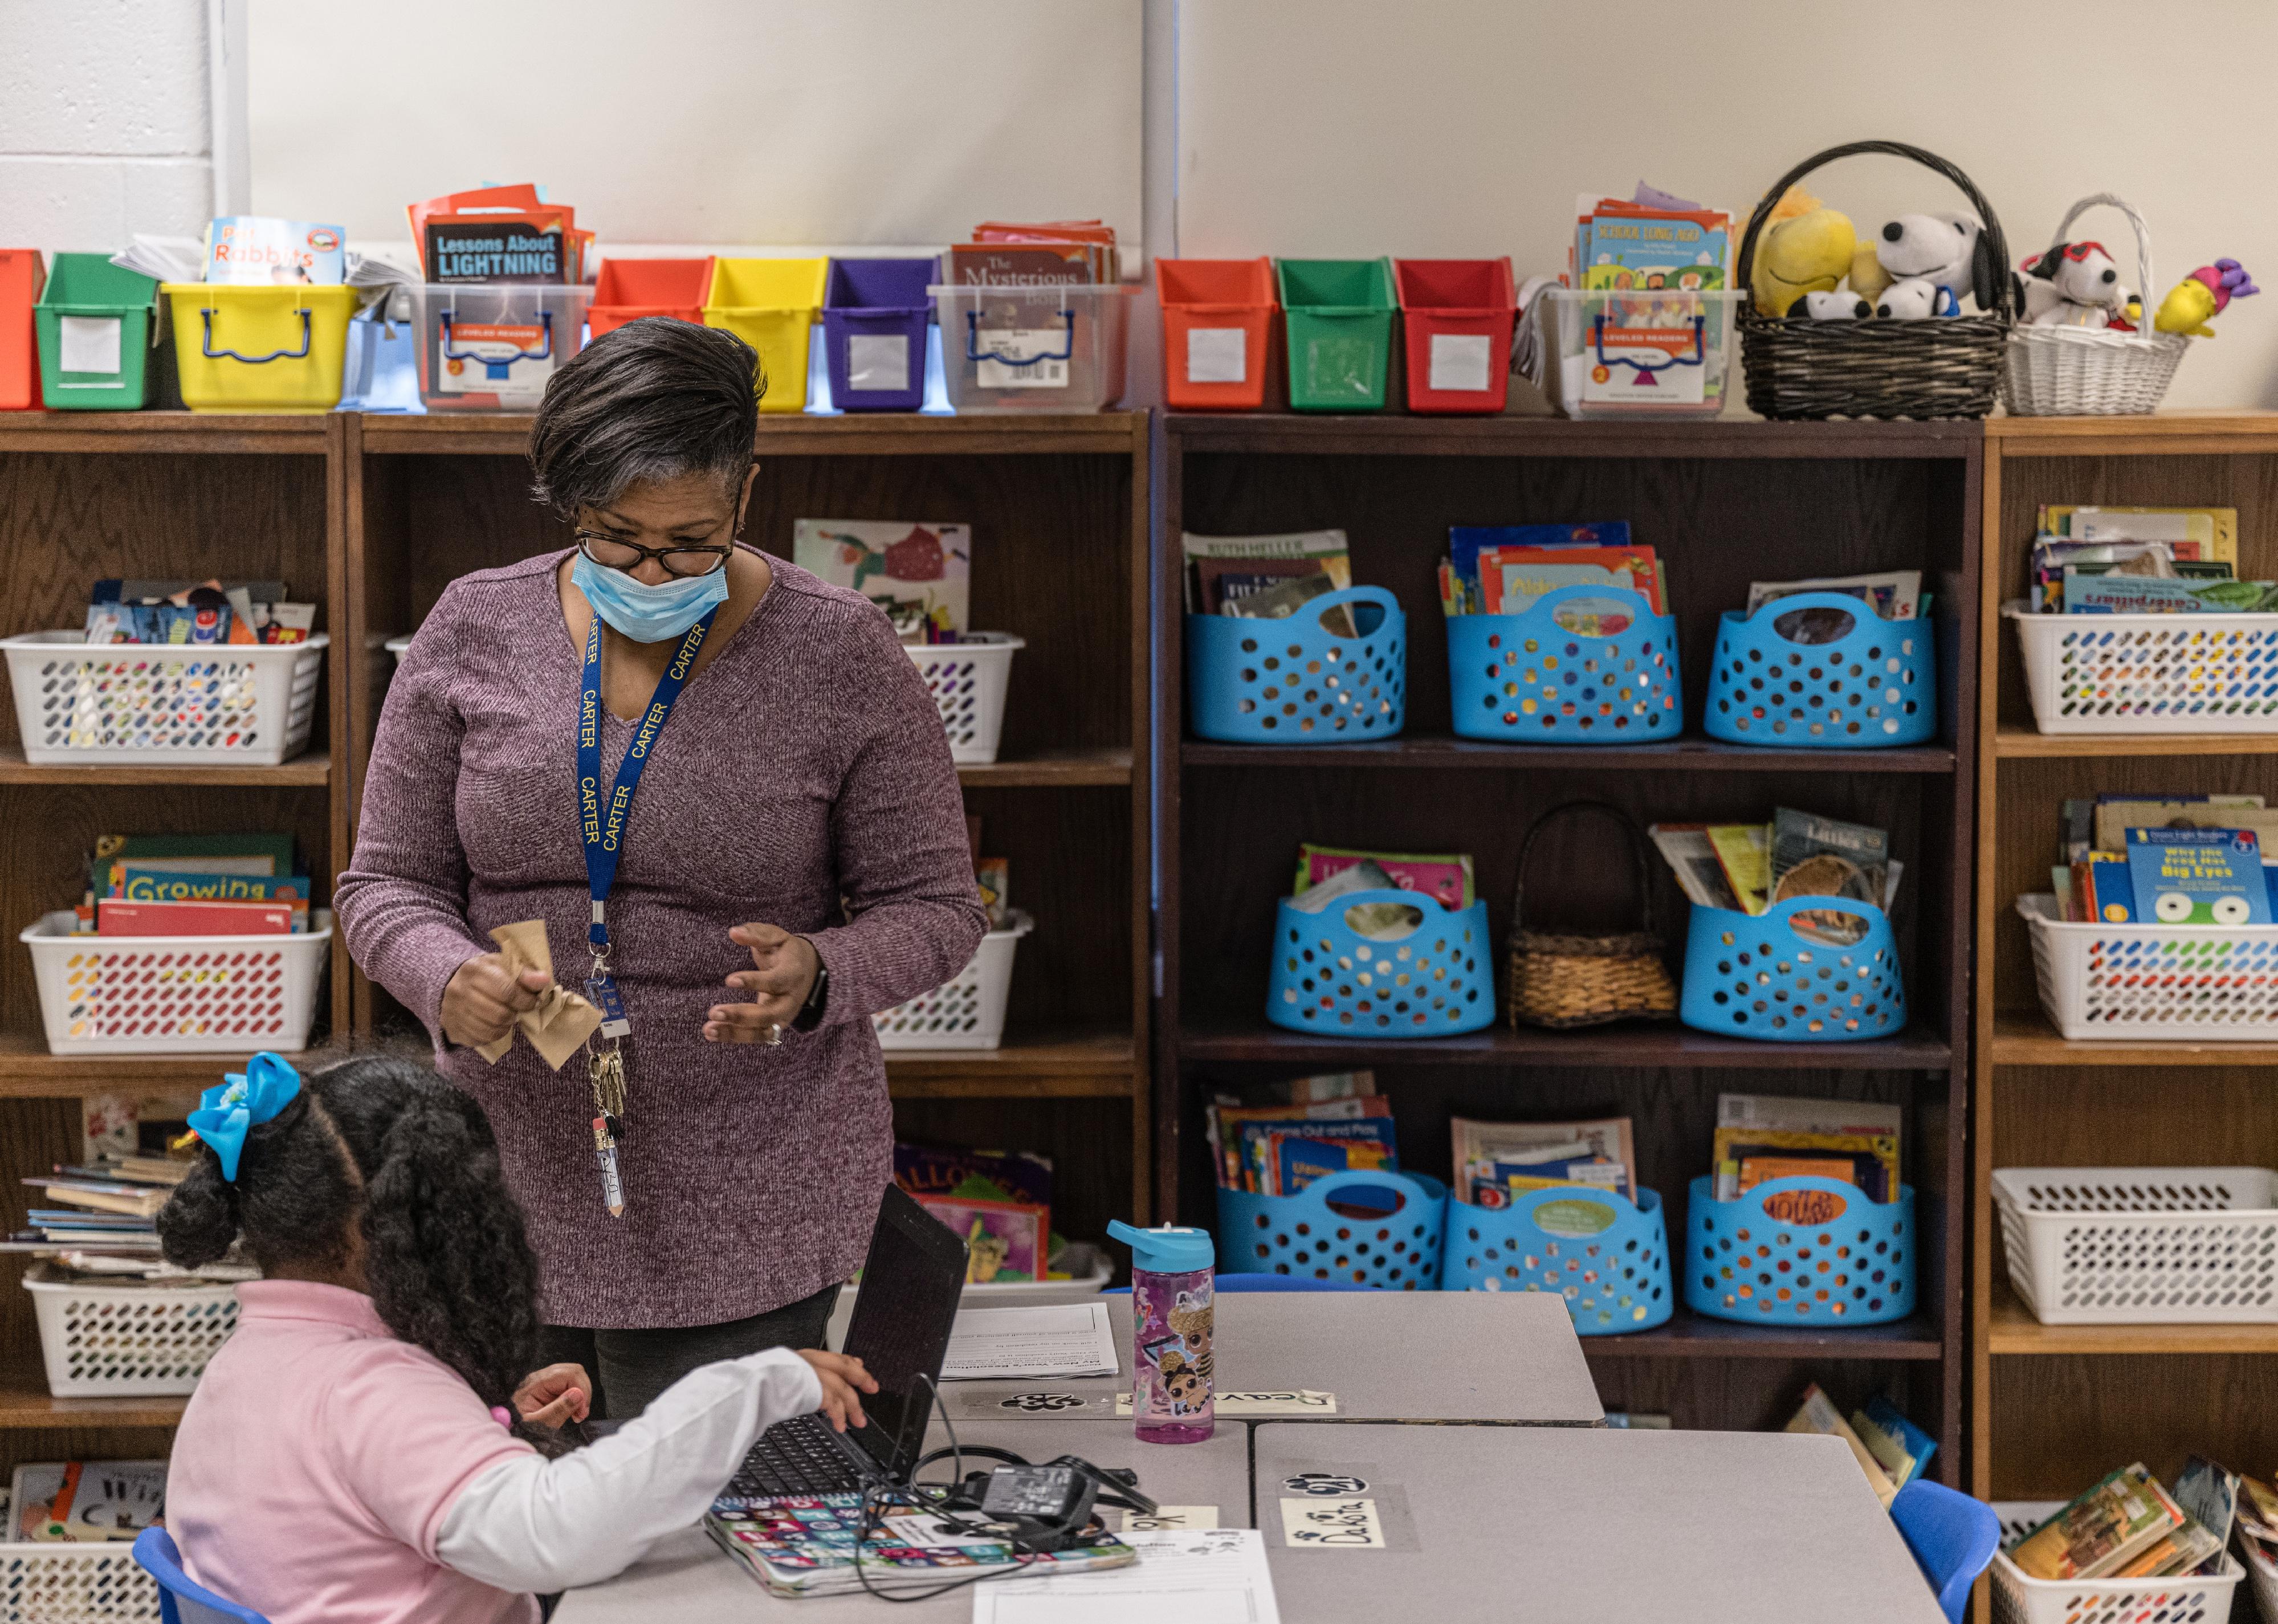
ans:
(559, 1026)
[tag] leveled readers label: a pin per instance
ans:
(493, 358)
(1297, 1401)
(1643, 366)
(1348, 1524)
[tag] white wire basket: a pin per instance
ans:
(2205, 983)
(2092, 372)
(75, 1584)
(968, 680)
(147, 1341)
(2150, 673)
(165, 705)
(177, 994)
(2141, 1245)
(2202, 1600)
(965, 1011)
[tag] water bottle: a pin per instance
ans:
(1171, 1272)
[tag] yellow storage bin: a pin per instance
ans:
(771, 304)
(260, 349)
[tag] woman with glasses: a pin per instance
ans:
(721, 785)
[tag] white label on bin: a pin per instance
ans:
(510, 359)
(878, 361)
(87, 343)
(1218, 355)
(1022, 358)
(1461, 361)
(1645, 366)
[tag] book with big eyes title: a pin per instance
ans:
(919, 574)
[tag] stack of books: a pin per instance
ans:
(193, 885)
(2167, 859)
(500, 233)
(101, 1218)
(1893, 595)
(1277, 1138)
(1268, 578)
(196, 612)
(1498, 1161)
(1503, 568)
(85, 1502)
(1746, 867)
(1044, 254)
(1763, 1137)
(2142, 560)
(1650, 241)
(1891, 1450)
(998, 1201)
(2127, 1526)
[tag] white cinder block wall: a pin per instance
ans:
(105, 126)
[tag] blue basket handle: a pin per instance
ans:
(1315, 607)
(1783, 913)
(1410, 1190)
(1525, 1205)
(1423, 901)
(973, 337)
(545, 320)
(1698, 356)
(1860, 609)
(212, 354)
(1567, 594)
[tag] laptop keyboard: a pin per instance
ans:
(797, 1456)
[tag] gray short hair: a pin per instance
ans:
(654, 399)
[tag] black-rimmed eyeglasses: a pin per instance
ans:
(678, 559)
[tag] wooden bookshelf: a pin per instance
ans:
(2054, 1406)
(1725, 502)
(1058, 510)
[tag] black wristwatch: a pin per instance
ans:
(810, 1013)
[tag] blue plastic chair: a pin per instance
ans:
(1952, 1537)
(1226, 1283)
(182, 1599)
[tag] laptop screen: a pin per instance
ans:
(911, 1283)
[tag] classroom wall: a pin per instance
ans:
(1464, 128)
(105, 121)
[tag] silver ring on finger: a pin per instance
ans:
(774, 1038)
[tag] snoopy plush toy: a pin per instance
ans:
(2073, 285)
(1948, 251)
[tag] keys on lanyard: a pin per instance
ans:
(603, 828)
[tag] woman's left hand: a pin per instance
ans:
(782, 973)
(556, 1396)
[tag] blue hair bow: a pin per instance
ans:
(265, 1087)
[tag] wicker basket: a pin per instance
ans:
(1940, 367)
(1586, 981)
(2089, 372)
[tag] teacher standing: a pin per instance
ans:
(791, 859)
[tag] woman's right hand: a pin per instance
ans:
(482, 999)
(841, 1377)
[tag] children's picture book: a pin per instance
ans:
(2213, 532)
(1260, 1149)
(1893, 594)
(1633, 244)
(1227, 1124)
(2102, 1530)
(805, 1546)
(2208, 1492)
(1862, 1134)
(1523, 1148)
(1685, 847)
(1511, 579)
(917, 574)
(1226, 582)
(1316, 544)
(88, 1502)
(500, 233)
(2198, 877)
(1815, 856)
(1295, 1159)
(935, 1171)
(1005, 1240)
(1466, 542)
(244, 249)
(1819, 1415)
(1446, 878)
(1899, 1447)
(115, 916)
(1744, 853)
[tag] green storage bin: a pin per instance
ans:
(112, 316)
(1340, 313)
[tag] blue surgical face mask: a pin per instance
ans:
(644, 612)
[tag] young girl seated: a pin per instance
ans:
(350, 1453)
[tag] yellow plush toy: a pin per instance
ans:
(1804, 248)
(1867, 277)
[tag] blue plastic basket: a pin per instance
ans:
(1873, 687)
(1757, 976)
(1800, 1252)
(1301, 1235)
(1526, 679)
(1295, 681)
(1609, 1259)
(1434, 982)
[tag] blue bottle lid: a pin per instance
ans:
(1166, 1251)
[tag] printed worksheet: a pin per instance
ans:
(1064, 1339)
(1217, 1576)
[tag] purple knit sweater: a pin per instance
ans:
(806, 763)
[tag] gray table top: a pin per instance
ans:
(688, 1577)
(1477, 1356)
(1588, 1527)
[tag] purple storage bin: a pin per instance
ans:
(874, 313)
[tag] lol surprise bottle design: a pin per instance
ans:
(1172, 1366)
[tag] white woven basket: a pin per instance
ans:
(128, 1341)
(965, 1011)
(2208, 983)
(75, 1584)
(2141, 1245)
(2092, 372)
(2150, 673)
(177, 994)
(967, 682)
(2205, 1600)
(166, 704)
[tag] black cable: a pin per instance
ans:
(871, 1511)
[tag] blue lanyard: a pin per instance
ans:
(604, 826)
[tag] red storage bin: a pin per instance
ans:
(22, 275)
(1217, 324)
(1457, 315)
(628, 289)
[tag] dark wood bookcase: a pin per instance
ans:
(1725, 503)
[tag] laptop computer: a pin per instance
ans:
(911, 1283)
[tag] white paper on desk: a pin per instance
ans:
(1216, 1577)
(1064, 1339)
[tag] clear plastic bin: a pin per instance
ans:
(1033, 349)
(1618, 353)
(491, 346)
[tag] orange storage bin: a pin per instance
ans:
(22, 275)
(1457, 315)
(1217, 322)
(628, 289)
